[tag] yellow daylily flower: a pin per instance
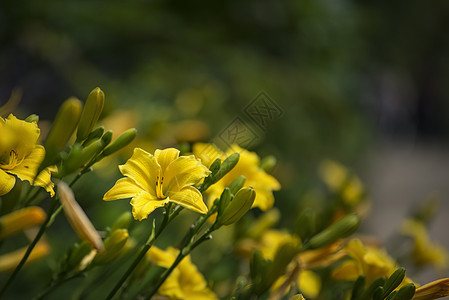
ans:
(185, 282)
(153, 180)
(20, 156)
(369, 261)
(425, 251)
(248, 166)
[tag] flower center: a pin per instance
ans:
(159, 192)
(12, 161)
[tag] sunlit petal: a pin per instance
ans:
(185, 170)
(165, 157)
(189, 197)
(6, 182)
(144, 204)
(123, 188)
(143, 169)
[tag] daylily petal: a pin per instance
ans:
(44, 179)
(183, 171)
(6, 182)
(264, 199)
(189, 197)
(123, 188)
(160, 257)
(207, 153)
(165, 157)
(144, 203)
(143, 169)
(348, 270)
(309, 283)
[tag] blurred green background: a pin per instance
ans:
(348, 75)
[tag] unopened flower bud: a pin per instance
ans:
(433, 290)
(77, 217)
(63, 127)
(94, 135)
(237, 184)
(393, 282)
(224, 201)
(406, 292)
(91, 112)
(340, 229)
(107, 137)
(20, 220)
(112, 247)
(122, 222)
(227, 165)
(122, 141)
(305, 224)
(79, 156)
(241, 203)
(32, 118)
(75, 255)
(10, 260)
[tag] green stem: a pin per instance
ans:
(153, 236)
(52, 210)
(188, 247)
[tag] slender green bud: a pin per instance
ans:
(122, 222)
(112, 247)
(393, 281)
(405, 293)
(392, 295)
(237, 184)
(94, 135)
(32, 118)
(107, 137)
(79, 156)
(241, 203)
(340, 229)
(305, 224)
(227, 165)
(369, 291)
(224, 201)
(122, 141)
(378, 293)
(63, 127)
(258, 268)
(91, 113)
(358, 287)
(75, 255)
(268, 163)
(215, 166)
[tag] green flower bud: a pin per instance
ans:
(358, 287)
(32, 118)
(369, 291)
(94, 135)
(378, 293)
(258, 268)
(62, 129)
(241, 203)
(268, 163)
(91, 113)
(215, 166)
(305, 224)
(340, 229)
(393, 282)
(75, 255)
(227, 165)
(224, 201)
(405, 293)
(284, 255)
(237, 184)
(112, 247)
(79, 156)
(122, 222)
(122, 141)
(107, 137)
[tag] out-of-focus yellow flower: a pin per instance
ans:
(309, 283)
(340, 180)
(433, 290)
(20, 220)
(154, 180)
(248, 166)
(369, 261)
(272, 240)
(20, 156)
(424, 251)
(185, 282)
(10, 260)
